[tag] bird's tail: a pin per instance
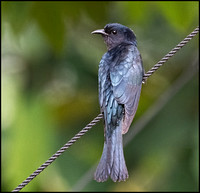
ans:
(112, 161)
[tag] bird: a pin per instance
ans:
(120, 77)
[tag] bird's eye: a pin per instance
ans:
(114, 32)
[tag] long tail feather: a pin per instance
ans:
(112, 161)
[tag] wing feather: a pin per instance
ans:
(126, 78)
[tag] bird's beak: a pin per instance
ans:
(99, 31)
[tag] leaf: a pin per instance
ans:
(134, 12)
(97, 11)
(48, 16)
(17, 14)
(179, 14)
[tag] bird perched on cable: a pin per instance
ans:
(120, 81)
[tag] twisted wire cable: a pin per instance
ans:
(59, 152)
(100, 116)
(171, 53)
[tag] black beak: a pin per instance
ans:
(99, 31)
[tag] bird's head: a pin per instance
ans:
(114, 34)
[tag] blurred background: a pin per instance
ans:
(49, 91)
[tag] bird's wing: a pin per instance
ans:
(102, 76)
(126, 77)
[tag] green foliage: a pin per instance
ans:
(51, 17)
(180, 15)
(50, 91)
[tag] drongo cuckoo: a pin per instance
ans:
(120, 80)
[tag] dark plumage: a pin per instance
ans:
(120, 81)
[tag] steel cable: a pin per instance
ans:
(100, 116)
(59, 152)
(171, 53)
